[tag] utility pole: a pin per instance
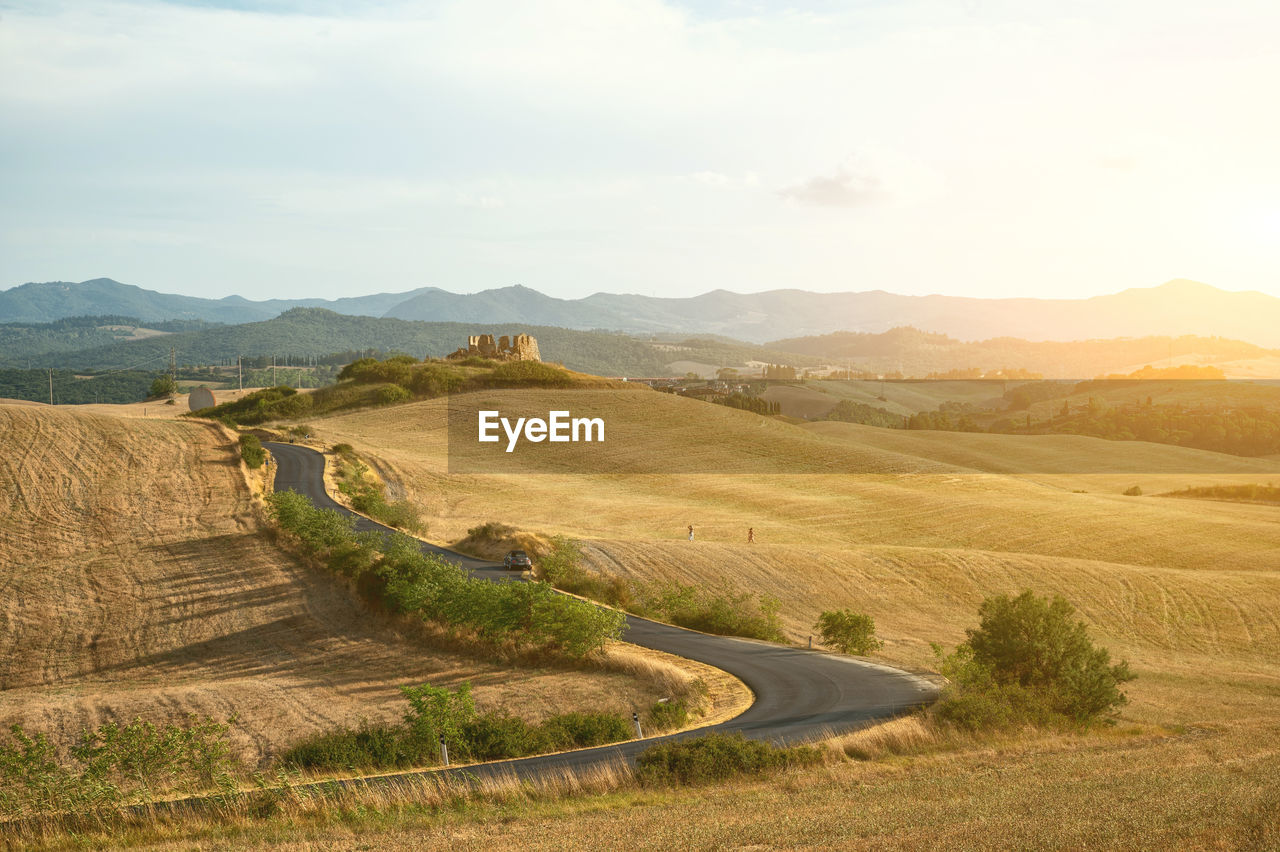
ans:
(240, 369)
(51, 386)
(173, 368)
(273, 371)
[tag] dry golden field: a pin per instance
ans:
(135, 579)
(1187, 590)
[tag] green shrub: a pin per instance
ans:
(529, 374)
(391, 394)
(112, 765)
(723, 612)
(162, 386)
(260, 406)
(716, 757)
(1133, 491)
(400, 513)
(490, 531)
(669, 715)
(848, 632)
(436, 712)
(1028, 662)
(252, 452)
(497, 735)
(344, 449)
(583, 730)
(435, 379)
(366, 747)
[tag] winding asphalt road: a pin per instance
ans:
(799, 694)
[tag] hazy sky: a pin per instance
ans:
(337, 148)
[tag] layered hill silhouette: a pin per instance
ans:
(1177, 307)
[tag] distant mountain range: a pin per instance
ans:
(1175, 308)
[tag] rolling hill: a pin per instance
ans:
(303, 332)
(913, 352)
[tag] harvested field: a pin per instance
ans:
(136, 579)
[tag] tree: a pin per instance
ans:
(252, 452)
(1029, 661)
(163, 386)
(848, 632)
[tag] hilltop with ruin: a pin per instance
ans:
(521, 347)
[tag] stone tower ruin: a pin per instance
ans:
(522, 347)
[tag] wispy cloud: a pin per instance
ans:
(842, 189)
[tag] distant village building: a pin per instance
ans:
(780, 372)
(522, 347)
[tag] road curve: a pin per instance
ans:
(799, 694)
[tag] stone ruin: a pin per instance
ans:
(522, 347)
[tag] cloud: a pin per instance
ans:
(842, 189)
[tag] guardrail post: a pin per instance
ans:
(635, 717)
(444, 752)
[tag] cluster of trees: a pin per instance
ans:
(1241, 431)
(1248, 493)
(1000, 374)
(745, 402)
(944, 421)
(70, 389)
(1184, 372)
(849, 411)
(22, 343)
(394, 570)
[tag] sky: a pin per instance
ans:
(325, 149)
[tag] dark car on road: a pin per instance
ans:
(518, 560)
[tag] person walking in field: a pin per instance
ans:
(751, 535)
(690, 532)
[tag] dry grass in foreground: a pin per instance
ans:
(921, 789)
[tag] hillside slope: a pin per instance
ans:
(943, 520)
(135, 580)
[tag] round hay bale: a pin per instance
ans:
(200, 398)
